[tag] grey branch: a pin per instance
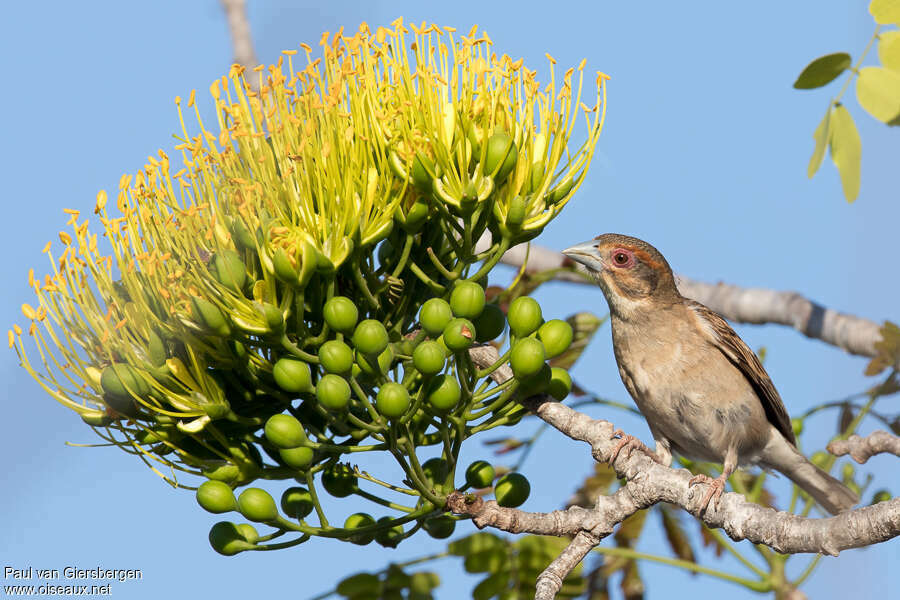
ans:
(862, 449)
(649, 483)
(550, 580)
(241, 40)
(742, 305)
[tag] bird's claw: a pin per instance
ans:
(716, 487)
(629, 443)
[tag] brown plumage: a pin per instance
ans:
(703, 392)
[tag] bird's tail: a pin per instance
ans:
(831, 494)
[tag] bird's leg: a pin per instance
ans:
(629, 443)
(717, 484)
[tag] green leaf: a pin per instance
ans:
(885, 12)
(822, 71)
(357, 584)
(488, 561)
(846, 150)
(475, 543)
(423, 582)
(491, 586)
(889, 49)
(821, 138)
(878, 91)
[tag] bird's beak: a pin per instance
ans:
(586, 254)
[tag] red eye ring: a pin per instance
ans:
(622, 258)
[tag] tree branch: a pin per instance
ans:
(862, 449)
(742, 305)
(241, 40)
(649, 483)
(550, 580)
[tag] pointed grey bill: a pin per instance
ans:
(586, 254)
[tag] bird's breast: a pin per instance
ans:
(690, 394)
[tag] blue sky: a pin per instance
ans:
(704, 155)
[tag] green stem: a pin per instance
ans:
(383, 502)
(311, 485)
(431, 283)
(492, 262)
(439, 266)
(855, 68)
(726, 545)
(484, 395)
(356, 271)
(296, 351)
(488, 370)
(282, 545)
(404, 255)
(807, 571)
(755, 585)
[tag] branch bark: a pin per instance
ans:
(862, 449)
(741, 305)
(241, 39)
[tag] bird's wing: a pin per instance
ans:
(721, 335)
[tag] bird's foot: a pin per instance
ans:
(716, 487)
(629, 443)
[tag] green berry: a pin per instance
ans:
(467, 299)
(556, 336)
(524, 316)
(527, 357)
(335, 357)
(292, 375)
(389, 538)
(296, 502)
(358, 521)
(216, 496)
(285, 431)
(436, 470)
(560, 383)
(444, 392)
(512, 490)
(341, 314)
(227, 539)
(428, 358)
(434, 316)
(459, 334)
(257, 505)
(392, 400)
(439, 527)
(296, 458)
(489, 324)
(339, 481)
(537, 383)
(480, 474)
(370, 337)
(333, 392)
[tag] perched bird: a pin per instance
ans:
(703, 392)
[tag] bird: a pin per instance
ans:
(703, 392)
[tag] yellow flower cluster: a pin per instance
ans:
(309, 168)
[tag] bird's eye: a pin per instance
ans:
(621, 258)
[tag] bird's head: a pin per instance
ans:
(630, 271)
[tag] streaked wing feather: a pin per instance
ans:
(733, 347)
